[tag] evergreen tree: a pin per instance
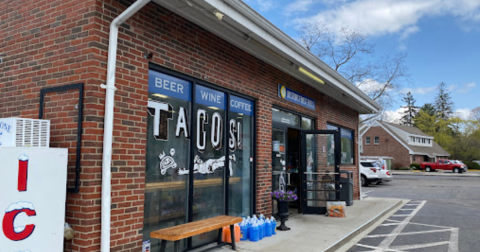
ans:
(410, 110)
(429, 109)
(443, 102)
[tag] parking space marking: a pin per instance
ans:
(410, 233)
(369, 191)
(388, 241)
(385, 244)
(453, 246)
(417, 246)
(375, 249)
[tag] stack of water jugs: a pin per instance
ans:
(255, 229)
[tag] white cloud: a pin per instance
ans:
(379, 17)
(393, 116)
(409, 31)
(370, 85)
(466, 87)
(419, 90)
(463, 113)
(265, 5)
(452, 87)
(298, 6)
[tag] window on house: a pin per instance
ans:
(412, 139)
(423, 140)
(377, 140)
(367, 140)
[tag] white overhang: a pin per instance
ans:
(246, 29)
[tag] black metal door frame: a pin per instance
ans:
(337, 157)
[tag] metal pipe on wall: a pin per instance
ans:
(108, 123)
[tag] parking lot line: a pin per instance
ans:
(388, 241)
(410, 233)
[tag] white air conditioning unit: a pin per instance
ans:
(23, 132)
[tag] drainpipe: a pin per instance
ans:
(108, 124)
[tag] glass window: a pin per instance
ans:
(377, 140)
(346, 144)
(168, 144)
(367, 140)
(285, 117)
(209, 158)
(307, 123)
(170, 136)
(240, 145)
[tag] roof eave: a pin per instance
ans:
(245, 28)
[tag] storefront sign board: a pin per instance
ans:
(32, 203)
(295, 97)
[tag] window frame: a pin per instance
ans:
(353, 155)
(367, 141)
(228, 93)
(376, 140)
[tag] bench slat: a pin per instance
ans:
(194, 228)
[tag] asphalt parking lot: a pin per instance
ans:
(443, 215)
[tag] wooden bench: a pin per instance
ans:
(188, 230)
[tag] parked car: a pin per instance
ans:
(385, 174)
(370, 172)
(445, 164)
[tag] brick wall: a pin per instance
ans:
(63, 42)
(388, 146)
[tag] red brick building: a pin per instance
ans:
(193, 82)
(405, 144)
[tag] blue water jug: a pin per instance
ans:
(254, 233)
(273, 224)
(268, 228)
(243, 231)
(262, 229)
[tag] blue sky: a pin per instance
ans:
(441, 38)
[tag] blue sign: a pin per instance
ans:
(210, 97)
(168, 85)
(240, 105)
(295, 97)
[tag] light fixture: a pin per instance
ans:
(219, 15)
(310, 75)
(160, 95)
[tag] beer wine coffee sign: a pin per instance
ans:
(32, 202)
(166, 86)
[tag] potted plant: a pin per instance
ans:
(283, 199)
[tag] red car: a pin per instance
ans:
(445, 164)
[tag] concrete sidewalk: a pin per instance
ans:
(321, 233)
(437, 173)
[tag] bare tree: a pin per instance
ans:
(475, 114)
(349, 53)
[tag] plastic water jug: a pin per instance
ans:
(262, 229)
(227, 235)
(243, 231)
(273, 224)
(253, 233)
(268, 228)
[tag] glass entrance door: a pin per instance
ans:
(320, 169)
(278, 162)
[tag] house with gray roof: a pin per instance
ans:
(405, 144)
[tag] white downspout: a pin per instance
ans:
(108, 124)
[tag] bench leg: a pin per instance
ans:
(219, 237)
(232, 234)
(163, 245)
(177, 246)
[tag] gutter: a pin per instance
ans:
(108, 123)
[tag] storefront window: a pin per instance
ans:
(240, 147)
(209, 158)
(346, 144)
(307, 123)
(168, 144)
(175, 126)
(283, 117)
